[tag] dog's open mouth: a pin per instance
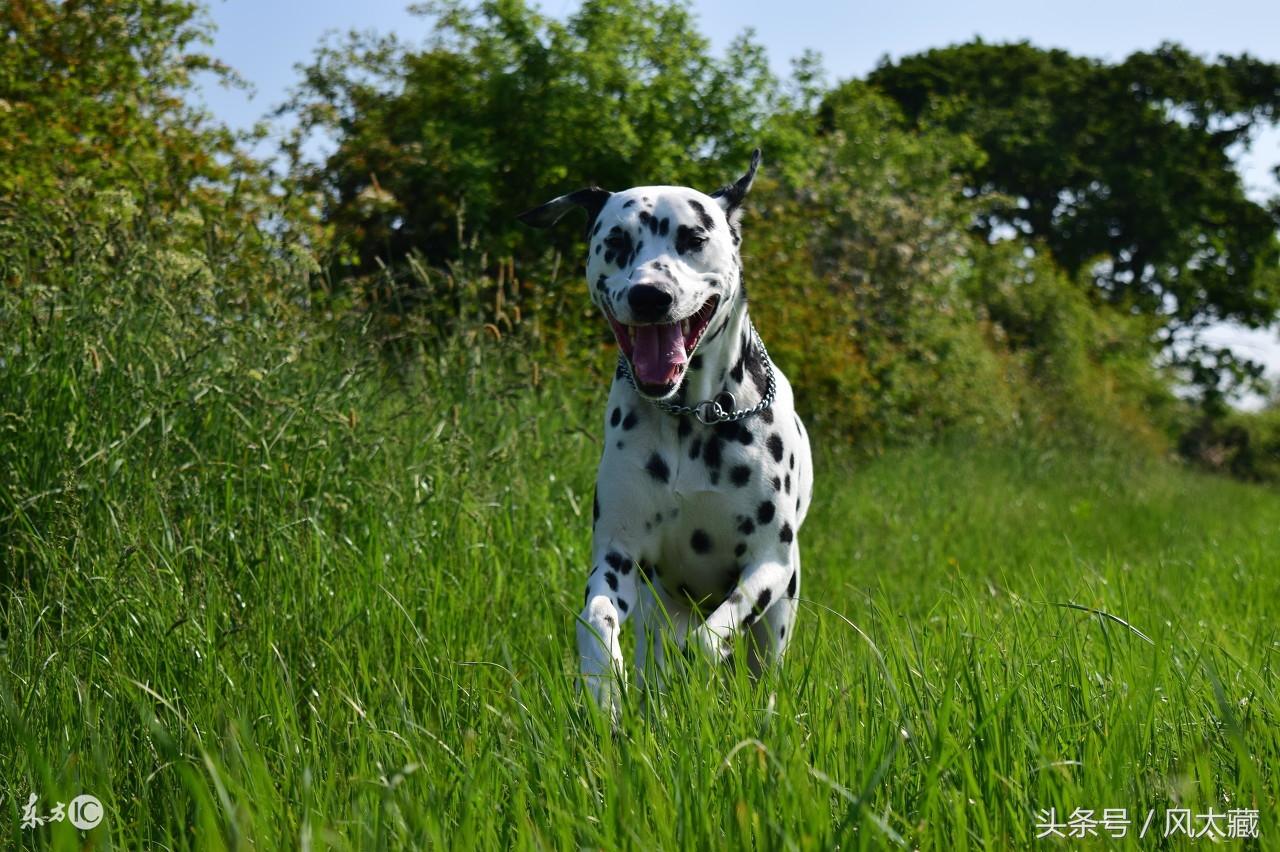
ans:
(659, 353)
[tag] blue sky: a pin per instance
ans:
(265, 39)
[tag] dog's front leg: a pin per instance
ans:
(610, 599)
(761, 586)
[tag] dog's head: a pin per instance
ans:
(662, 264)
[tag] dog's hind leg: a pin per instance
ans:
(610, 599)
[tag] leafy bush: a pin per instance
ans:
(503, 108)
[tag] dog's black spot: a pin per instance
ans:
(758, 371)
(766, 414)
(628, 204)
(785, 535)
(703, 216)
(657, 468)
(623, 605)
(777, 484)
(647, 220)
(734, 598)
(600, 283)
(782, 632)
(736, 373)
(791, 585)
(614, 559)
(619, 445)
(729, 578)
(685, 427)
(688, 239)
(664, 226)
(700, 541)
(760, 606)
(695, 448)
(596, 229)
(791, 461)
(740, 549)
(630, 421)
(764, 514)
(647, 570)
(746, 526)
(797, 502)
(775, 446)
(740, 475)
(627, 565)
(657, 519)
(695, 363)
(599, 246)
(616, 417)
(711, 453)
(612, 579)
(787, 484)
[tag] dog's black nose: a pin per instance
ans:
(648, 303)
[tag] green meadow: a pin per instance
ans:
(269, 589)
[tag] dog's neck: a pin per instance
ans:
(726, 362)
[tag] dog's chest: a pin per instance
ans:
(689, 499)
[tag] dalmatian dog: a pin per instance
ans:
(706, 473)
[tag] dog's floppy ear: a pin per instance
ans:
(592, 199)
(730, 196)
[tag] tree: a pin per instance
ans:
(1121, 170)
(503, 108)
(94, 103)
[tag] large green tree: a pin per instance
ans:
(1124, 171)
(503, 108)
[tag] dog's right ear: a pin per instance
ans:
(592, 199)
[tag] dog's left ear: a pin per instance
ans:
(592, 199)
(730, 197)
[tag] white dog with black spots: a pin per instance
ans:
(706, 474)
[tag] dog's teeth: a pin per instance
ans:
(631, 333)
(684, 326)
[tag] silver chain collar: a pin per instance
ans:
(719, 409)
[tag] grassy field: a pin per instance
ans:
(259, 592)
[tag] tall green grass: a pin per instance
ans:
(263, 589)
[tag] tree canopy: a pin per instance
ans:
(1122, 170)
(503, 108)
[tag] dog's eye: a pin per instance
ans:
(697, 241)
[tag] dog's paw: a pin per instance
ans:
(705, 644)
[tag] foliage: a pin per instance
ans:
(95, 97)
(504, 108)
(1123, 171)
(857, 261)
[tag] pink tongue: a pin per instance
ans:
(658, 353)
